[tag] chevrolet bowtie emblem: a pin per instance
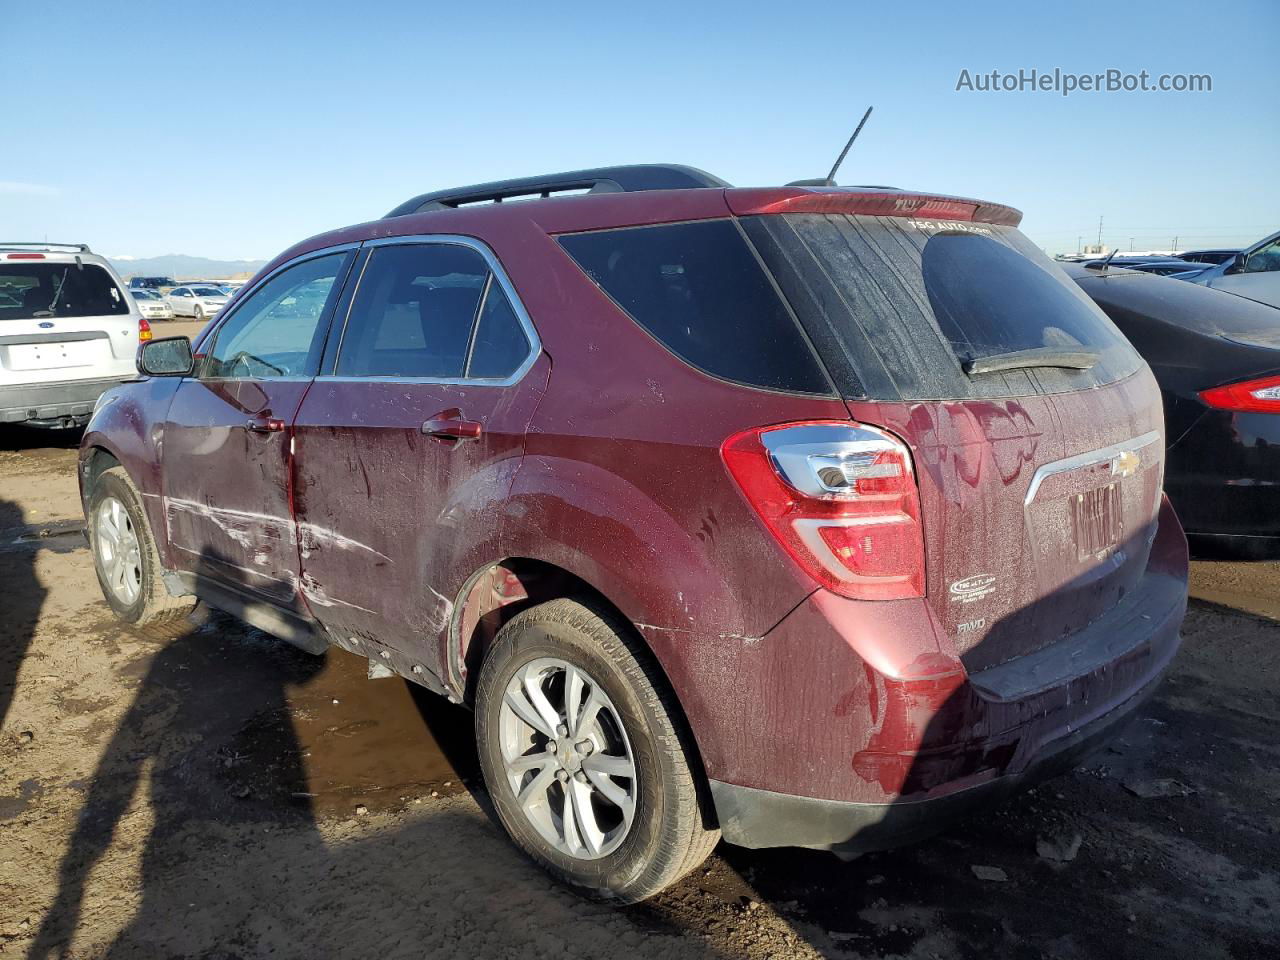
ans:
(1126, 464)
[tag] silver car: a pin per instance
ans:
(1253, 273)
(151, 305)
(198, 301)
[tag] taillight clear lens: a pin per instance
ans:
(841, 498)
(1251, 396)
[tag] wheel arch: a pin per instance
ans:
(496, 592)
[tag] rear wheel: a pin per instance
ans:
(584, 754)
(125, 555)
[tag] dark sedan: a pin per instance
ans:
(1217, 359)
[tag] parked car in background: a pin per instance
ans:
(1210, 256)
(68, 332)
(1217, 360)
(152, 305)
(1253, 272)
(815, 517)
(1179, 269)
(199, 302)
(150, 283)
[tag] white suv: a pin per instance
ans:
(68, 331)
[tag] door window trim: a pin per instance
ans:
(496, 272)
(325, 321)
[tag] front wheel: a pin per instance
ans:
(125, 555)
(198, 313)
(585, 754)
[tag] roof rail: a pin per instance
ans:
(33, 245)
(624, 179)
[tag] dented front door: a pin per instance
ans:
(225, 450)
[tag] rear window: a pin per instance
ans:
(896, 305)
(699, 291)
(36, 291)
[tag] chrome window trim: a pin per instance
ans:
(1101, 455)
(246, 292)
(495, 270)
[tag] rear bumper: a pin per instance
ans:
(761, 818)
(878, 736)
(23, 402)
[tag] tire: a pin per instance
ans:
(198, 313)
(133, 588)
(637, 720)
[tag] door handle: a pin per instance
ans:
(264, 425)
(451, 426)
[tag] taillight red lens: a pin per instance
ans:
(1252, 396)
(841, 499)
(144, 329)
(25, 256)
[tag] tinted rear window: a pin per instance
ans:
(896, 305)
(35, 291)
(698, 289)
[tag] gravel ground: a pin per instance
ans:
(215, 793)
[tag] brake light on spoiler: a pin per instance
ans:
(841, 499)
(1251, 396)
(871, 203)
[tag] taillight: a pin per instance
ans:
(841, 498)
(1252, 396)
(25, 256)
(144, 330)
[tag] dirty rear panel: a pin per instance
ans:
(1039, 487)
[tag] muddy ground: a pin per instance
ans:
(219, 794)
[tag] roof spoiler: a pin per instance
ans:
(624, 179)
(52, 247)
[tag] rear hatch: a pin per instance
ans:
(63, 318)
(1035, 428)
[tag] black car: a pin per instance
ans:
(1217, 359)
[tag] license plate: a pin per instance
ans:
(47, 356)
(1097, 517)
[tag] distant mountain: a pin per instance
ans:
(179, 265)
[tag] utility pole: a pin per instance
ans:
(1175, 245)
(1131, 244)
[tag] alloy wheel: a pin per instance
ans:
(567, 758)
(119, 554)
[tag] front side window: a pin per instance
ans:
(1264, 260)
(276, 331)
(430, 311)
(36, 291)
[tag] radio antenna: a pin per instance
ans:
(831, 177)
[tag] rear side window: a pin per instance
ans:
(431, 311)
(698, 289)
(896, 305)
(36, 291)
(413, 312)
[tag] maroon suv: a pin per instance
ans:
(803, 516)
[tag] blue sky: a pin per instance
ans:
(233, 129)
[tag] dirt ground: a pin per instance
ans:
(217, 794)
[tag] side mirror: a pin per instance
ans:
(1236, 264)
(166, 357)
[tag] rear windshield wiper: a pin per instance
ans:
(1073, 359)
